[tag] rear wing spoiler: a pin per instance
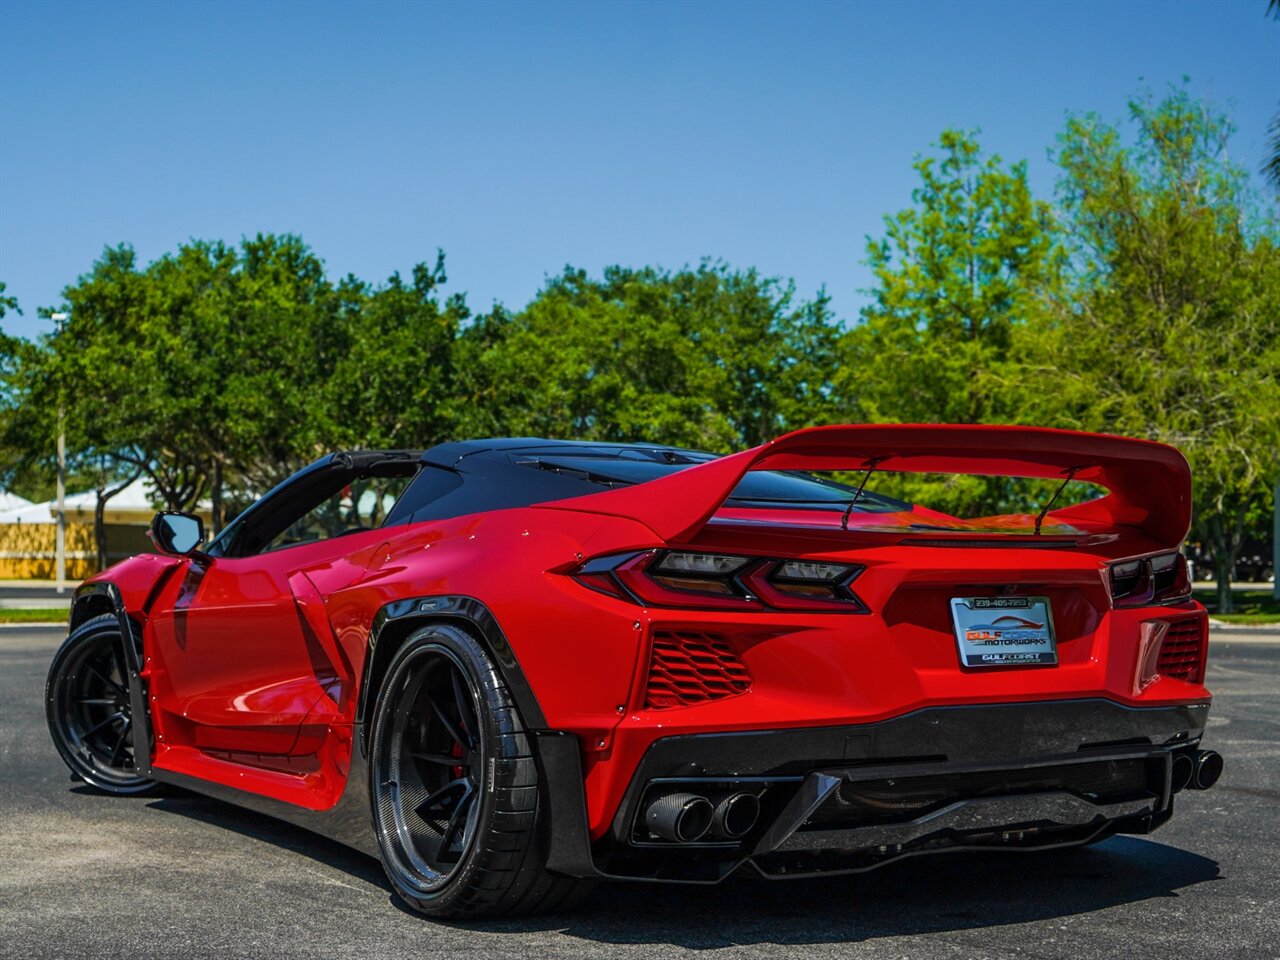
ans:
(1148, 484)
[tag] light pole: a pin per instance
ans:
(61, 547)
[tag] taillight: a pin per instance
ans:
(598, 575)
(658, 579)
(804, 585)
(714, 581)
(1159, 579)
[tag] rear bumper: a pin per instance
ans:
(851, 798)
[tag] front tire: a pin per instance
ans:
(88, 708)
(455, 787)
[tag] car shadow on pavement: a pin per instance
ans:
(928, 894)
(920, 895)
(270, 830)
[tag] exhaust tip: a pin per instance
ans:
(1209, 765)
(1183, 769)
(736, 814)
(679, 817)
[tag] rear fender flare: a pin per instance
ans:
(393, 623)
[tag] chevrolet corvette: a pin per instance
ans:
(509, 668)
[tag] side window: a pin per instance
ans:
(487, 484)
(361, 503)
(432, 485)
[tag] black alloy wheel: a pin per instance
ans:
(454, 784)
(430, 772)
(89, 710)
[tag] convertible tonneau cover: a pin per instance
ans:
(1149, 483)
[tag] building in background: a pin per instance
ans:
(28, 532)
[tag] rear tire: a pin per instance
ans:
(88, 708)
(455, 788)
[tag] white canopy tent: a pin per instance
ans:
(131, 505)
(11, 501)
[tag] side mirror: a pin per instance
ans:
(175, 533)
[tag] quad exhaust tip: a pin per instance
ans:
(1184, 768)
(679, 817)
(682, 817)
(735, 815)
(1195, 769)
(1208, 768)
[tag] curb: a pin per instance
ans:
(1217, 626)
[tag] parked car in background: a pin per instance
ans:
(1254, 564)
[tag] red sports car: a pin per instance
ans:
(511, 667)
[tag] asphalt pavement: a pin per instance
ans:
(18, 595)
(84, 875)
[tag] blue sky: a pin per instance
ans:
(521, 137)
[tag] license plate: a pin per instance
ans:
(1004, 631)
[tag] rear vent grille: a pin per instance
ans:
(1182, 652)
(690, 667)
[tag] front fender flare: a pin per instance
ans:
(90, 599)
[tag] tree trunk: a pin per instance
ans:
(1275, 541)
(1227, 531)
(100, 530)
(1222, 567)
(99, 520)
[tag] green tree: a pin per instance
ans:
(13, 441)
(8, 303)
(961, 278)
(265, 336)
(177, 370)
(117, 370)
(707, 357)
(26, 436)
(1271, 166)
(34, 407)
(217, 371)
(1171, 330)
(390, 385)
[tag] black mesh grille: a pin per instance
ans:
(690, 667)
(901, 799)
(1182, 653)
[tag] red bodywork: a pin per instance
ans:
(254, 665)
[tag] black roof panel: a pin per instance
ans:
(448, 454)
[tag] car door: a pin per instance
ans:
(245, 667)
